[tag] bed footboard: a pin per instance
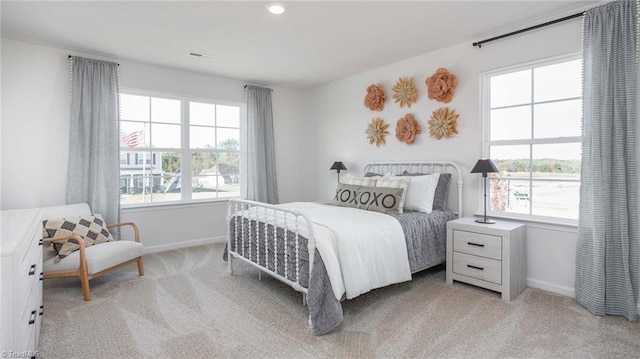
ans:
(279, 242)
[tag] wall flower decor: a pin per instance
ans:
(374, 100)
(407, 128)
(376, 131)
(443, 123)
(404, 92)
(441, 85)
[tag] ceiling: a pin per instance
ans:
(312, 43)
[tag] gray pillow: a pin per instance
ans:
(379, 199)
(442, 190)
(372, 174)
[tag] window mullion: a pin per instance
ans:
(185, 152)
(538, 141)
(531, 200)
(486, 130)
(532, 123)
(537, 103)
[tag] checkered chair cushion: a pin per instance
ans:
(92, 229)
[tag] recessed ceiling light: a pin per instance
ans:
(275, 8)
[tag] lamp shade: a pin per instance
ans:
(485, 165)
(338, 165)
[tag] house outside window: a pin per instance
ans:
(532, 131)
(175, 149)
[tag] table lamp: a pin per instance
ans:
(485, 166)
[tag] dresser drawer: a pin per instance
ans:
(482, 268)
(29, 322)
(39, 305)
(478, 244)
(30, 269)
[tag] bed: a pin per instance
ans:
(335, 251)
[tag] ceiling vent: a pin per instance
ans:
(199, 54)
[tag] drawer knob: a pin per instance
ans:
(475, 244)
(32, 317)
(32, 270)
(474, 267)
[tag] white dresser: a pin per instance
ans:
(20, 282)
(491, 256)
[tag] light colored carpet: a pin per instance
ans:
(188, 306)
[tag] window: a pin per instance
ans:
(177, 150)
(533, 133)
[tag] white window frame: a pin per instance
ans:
(185, 151)
(485, 105)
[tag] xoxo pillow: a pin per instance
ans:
(379, 199)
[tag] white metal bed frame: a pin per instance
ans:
(293, 221)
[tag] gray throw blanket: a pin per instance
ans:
(325, 311)
(425, 235)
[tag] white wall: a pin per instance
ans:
(35, 138)
(340, 119)
(35, 97)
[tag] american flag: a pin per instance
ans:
(134, 139)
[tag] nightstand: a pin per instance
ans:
(491, 256)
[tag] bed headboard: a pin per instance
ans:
(423, 167)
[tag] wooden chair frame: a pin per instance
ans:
(82, 271)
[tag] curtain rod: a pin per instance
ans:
(72, 56)
(247, 85)
(479, 43)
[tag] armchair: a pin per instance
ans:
(92, 261)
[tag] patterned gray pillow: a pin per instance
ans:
(442, 190)
(379, 199)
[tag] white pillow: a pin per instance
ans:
(392, 181)
(422, 190)
(359, 180)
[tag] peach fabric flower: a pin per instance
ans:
(374, 100)
(407, 128)
(441, 85)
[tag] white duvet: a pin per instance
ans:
(361, 250)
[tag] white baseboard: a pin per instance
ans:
(183, 244)
(558, 289)
(550, 287)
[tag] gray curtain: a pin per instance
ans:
(607, 260)
(94, 165)
(258, 164)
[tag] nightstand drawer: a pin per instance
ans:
(486, 269)
(477, 244)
